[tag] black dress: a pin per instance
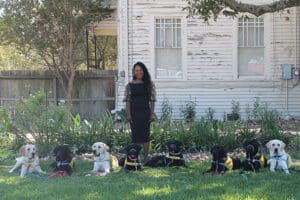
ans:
(139, 98)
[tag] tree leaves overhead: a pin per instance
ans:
(51, 26)
(54, 30)
(207, 9)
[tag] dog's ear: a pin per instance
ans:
(22, 150)
(268, 145)
(106, 148)
(282, 144)
(56, 149)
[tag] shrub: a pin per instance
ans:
(166, 110)
(189, 111)
(235, 111)
(35, 121)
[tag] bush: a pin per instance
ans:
(189, 111)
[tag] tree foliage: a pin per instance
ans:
(207, 9)
(54, 29)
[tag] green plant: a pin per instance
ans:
(295, 142)
(256, 111)
(235, 111)
(166, 110)
(248, 112)
(210, 114)
(35, 121)
(188, 111)
(269, 126)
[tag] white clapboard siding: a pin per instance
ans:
(210, 72)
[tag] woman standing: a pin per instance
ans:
(140, 98)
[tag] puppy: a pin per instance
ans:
(279, 159)
(132, 160)
(29, 161)
(64, 162)
(103, 161)
(221, 162)
(253, 162)
(173, 158)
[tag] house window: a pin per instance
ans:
(251, 46)
(168, 52)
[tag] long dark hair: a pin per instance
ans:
(146, 77)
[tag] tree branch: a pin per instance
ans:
(259, 10)
(207, 9)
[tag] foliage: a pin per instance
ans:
(166, 110)
(295, 142)
(47, 124)
(210, 114)
(54, 30)
(34, 120)
(13, 59)
(188, 111)
(256, 111)
(235, 110)
(106, 51)
(207, 9)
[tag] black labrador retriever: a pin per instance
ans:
(64, 163)
(132, 161)
(221, 162)
(174, 156)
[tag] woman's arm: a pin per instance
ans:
(127, 99)
(152, 101)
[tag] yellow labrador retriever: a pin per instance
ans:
(29, 161)
(104, 162)
(279, 159)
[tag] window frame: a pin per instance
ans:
(183, 46)
(267, 50)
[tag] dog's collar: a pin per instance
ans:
(278, 158)
(98, 161)
(133, 164)
(64, 163)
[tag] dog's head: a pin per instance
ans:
(218, 153)
(28, 151)
(133, 151)
(276, 147)
(99, 148)
(251, 148)
(174, 147)
(62, 153)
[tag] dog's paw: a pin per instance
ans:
(11, 171)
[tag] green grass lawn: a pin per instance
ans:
(161, 183)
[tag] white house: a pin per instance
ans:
(211, 64)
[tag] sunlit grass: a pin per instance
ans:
(151, 183)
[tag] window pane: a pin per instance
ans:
(178, 38)
(168, 52)
(251, 61)
(168, 36)
(157, 38)
(168, 62)
(261, 36)
(251, 37)
(241, 41)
